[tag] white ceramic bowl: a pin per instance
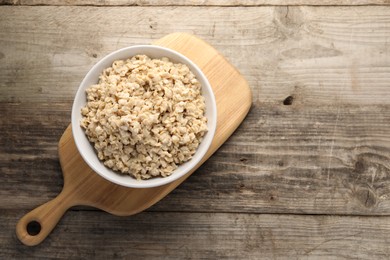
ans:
(87, 150)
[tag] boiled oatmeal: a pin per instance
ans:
(145, 117)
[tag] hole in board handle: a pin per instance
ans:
(33, 228)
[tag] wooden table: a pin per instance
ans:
(307, 174)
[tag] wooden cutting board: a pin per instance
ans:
(84, 187)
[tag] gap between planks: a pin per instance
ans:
(153, 211)
(215, 3)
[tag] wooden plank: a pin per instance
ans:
(320, 55)
(150, 235)
(284, 159)
(192, 2)
(327, 153)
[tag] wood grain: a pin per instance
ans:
(84, 187)
(278, 151)
(152, 235)
(192, 2)
(326, 153)
(330, 148)
(321, 55)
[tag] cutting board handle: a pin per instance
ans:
(36, 225)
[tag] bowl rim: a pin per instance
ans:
(198, 156)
